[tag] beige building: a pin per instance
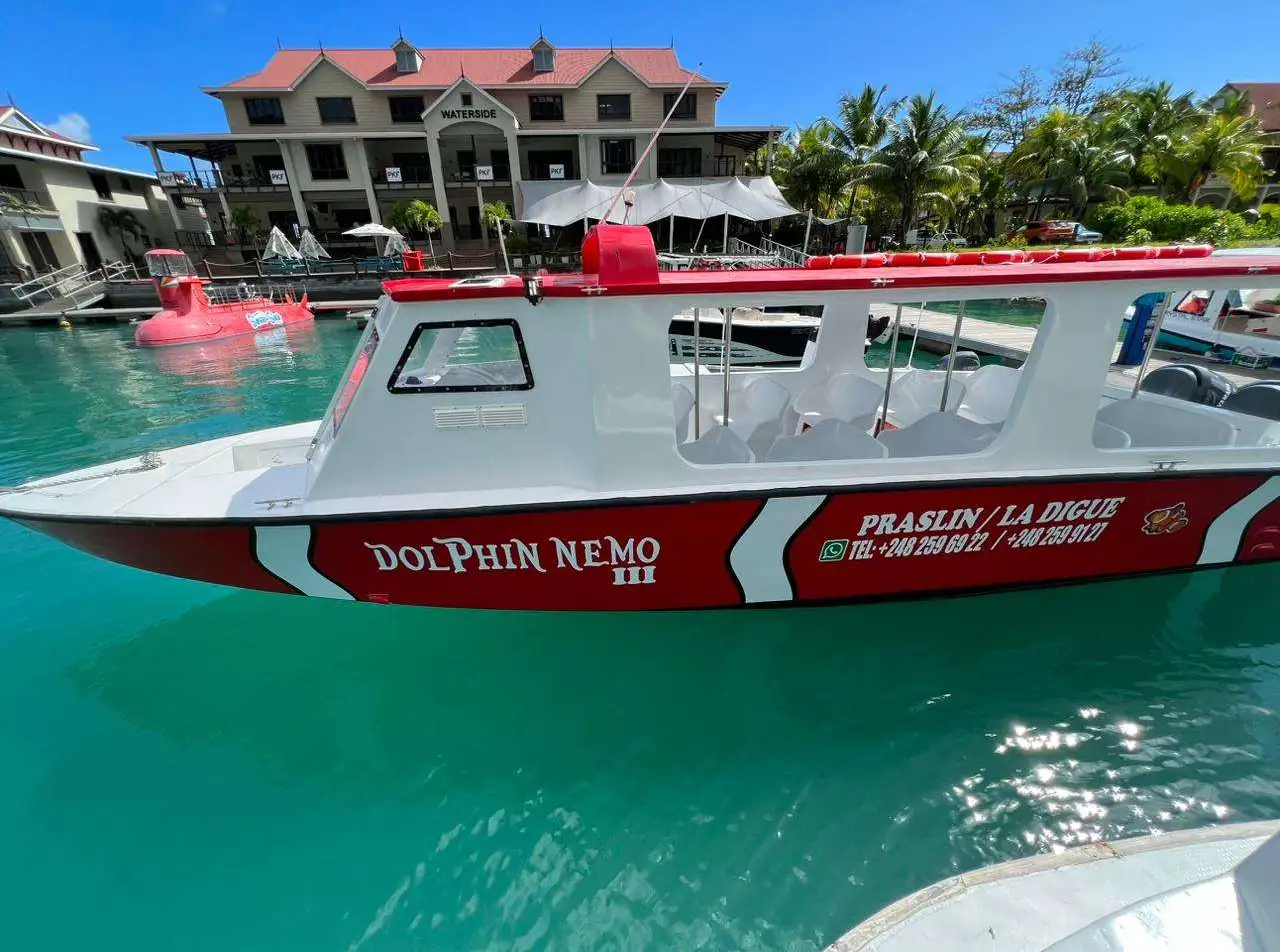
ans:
(52, 204)
(1262, 101)
(332, 138)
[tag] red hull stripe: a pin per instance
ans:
(711, 553)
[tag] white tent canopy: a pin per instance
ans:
(371, 231)
(557, 203)
(278, 246)
(309, 247)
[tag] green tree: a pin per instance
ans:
(415, 217)
(1010, 112)
(925, 160)
(1091, 167)
(1223, 145)
(979, 204)
(244, 223)
(1150, 122)
(494, 214)
(811, 169)
(858, 132)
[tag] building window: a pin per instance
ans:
(546, 108)
(406, 60)
(463, 357)
(617, 156)
(335, 110)
(264, 112)
(688, 108)
(264, 165)
(679, 163)
(541, 161)
(126, 185)
(101, 186)
(406, 108)
(327, 161)
(178, 201)
(617, 106)
(10, 177)
(544, 60)
(466, 98)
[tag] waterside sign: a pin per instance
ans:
(457, 114)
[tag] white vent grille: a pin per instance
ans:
(457, 418)
(509, 415)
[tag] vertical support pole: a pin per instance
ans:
(671, 242)
(888, 380)
(919, 319)
(728, 346)
(951, 360)
(808, 227)
(697, 371)
(484, 231)
(1151, 344)
(724, 244)
(502, 243)
(173, 211)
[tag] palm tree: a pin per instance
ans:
(1090, 168)
(857, 133)
(926, 156)
(978, 205)
(415, 216)
(1149, 122)
(1033, 157)
(811, 170)
(244, 222)
(1224, 145)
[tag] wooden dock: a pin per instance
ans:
(125, 315)
(1013, 342)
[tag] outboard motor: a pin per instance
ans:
(1188, 382)
(1261, 399)
(963, 360)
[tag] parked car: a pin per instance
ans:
(935, 238)
(1083, 236)
(1046, 232)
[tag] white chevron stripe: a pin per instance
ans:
(758, 558)
(282, 550)
(1222, 540)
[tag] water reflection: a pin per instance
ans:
(223, 363)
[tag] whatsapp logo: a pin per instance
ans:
(833, 550)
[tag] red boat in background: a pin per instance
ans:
(193, 314)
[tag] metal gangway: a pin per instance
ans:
(784, 255)
(71, 287)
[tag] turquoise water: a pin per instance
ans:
(190, 767)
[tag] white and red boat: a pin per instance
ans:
(193, 314)
(527, 444)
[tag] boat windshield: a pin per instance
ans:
(166, 265)
(1266, 300)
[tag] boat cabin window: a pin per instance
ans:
(463, 357)
(162, 266)
(355, 375)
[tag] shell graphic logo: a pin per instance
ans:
(1165, 521)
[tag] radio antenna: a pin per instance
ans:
(649, 148)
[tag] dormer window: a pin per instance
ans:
(544, 56)
(407, 58)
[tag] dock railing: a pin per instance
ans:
(73, 284)
(785, 255)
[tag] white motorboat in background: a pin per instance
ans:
(1210, 890)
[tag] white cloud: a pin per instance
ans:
(72, 125)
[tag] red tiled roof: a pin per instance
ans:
(485, 68)
(1265, 98)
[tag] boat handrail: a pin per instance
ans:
(915, 259)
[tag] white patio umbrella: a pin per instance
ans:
(309, 247)
(375, 232)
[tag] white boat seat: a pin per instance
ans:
(828, 440)
(938, 434)
(682, 407)
(988, 393)
(918, 393)
(1151, 423)
(1107, 437)
(848, 397)
(760, 413)
(718, 445)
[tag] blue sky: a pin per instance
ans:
(138, 67)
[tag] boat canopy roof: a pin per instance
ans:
(621, 260)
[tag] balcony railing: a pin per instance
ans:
(501, 175)
(24, 199)
(410, 177)
(214, 179)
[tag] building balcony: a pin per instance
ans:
(26, 209)
(465, 177)
(410, 177)
(213, 180)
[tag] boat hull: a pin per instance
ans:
(814, 547)
(170, 328)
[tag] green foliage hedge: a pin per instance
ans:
(1144, 215)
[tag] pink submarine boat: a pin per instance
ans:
(194, 314)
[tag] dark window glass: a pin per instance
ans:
(463, 357)
(178, 201)
(100, 185)
(617, 156)
(674, 163)
(10, 177)
(264, 165)
(406, 108)
(541, 160)
(327, 161)
(126, 185)
(546, 108)
(688, 108)
(264, 112)
(466, 98)
(613, 106)
(336, 109)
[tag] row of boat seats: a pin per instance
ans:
(917, 393)
(1157, 423)
(989, 392)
